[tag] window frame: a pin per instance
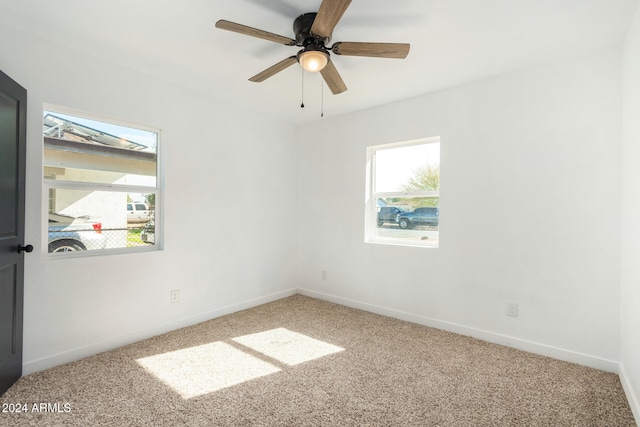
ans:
(53, 184)
(371, 196)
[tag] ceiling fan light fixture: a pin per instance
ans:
(313, 60)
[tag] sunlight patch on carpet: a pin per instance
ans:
(205, 368)
(290, 348)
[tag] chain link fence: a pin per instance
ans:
(129, 237)
(72, 239)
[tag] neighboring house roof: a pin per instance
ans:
(58, 127)
(72, 145)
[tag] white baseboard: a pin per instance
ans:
(35, 365)
(509, 341)
(632, 397)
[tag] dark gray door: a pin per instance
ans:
(13, 113)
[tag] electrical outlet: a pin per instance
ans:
(175, 296)
(512, 309)
(324, 275)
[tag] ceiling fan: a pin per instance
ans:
(313, 33)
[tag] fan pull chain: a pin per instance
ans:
(302, 89)
(321, 97)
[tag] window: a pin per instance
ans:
(403, 193)
(100, 179)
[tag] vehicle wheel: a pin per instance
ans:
(380, 223)
(64, 246)
(404, 223)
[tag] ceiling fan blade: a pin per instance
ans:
(328, 16)
(378, 50)
(254, 32)
(332, 78)
(274, 69)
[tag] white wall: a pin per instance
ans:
(530, 205)
(630, 302)
(230, 182)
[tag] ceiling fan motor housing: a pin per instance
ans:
(302, 30)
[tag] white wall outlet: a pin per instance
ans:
(324, 275)
(175, 296)
(512, 309)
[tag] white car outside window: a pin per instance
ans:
(138, 212)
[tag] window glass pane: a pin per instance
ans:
(409, 168)
(411, 219)
(91, 220)
(79, 149)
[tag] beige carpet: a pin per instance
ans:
(304, 362)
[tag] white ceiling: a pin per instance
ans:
(452, 42)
